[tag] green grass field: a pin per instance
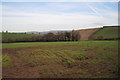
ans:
(16, 36)
(81, 59)
(107, 33)
(82, 43)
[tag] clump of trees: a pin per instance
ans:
(50, 37)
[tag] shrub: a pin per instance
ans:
(100, 37)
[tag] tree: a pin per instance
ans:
(6, 31)
(49, 37)
(58, 36)
(67, 35)
(73, 36)
(62, 37)
(76, 36)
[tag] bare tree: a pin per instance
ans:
(76, 35)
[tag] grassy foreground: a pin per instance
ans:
(82, 59)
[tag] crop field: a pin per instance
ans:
(78, 59)
(107, 33)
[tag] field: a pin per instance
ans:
(78, 59)
(12, 37)
(86, 33)
(107, 33)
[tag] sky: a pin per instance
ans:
(59, 0)
(45, 16)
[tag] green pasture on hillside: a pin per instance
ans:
(107, 33)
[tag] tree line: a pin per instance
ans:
(50, 37)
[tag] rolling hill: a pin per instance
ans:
(106, 33)
(86, 33)
(103, 33)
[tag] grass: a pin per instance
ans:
(6, 60)
(67, 54)
(79, 43)
(45, 54)
(16, 36)
(77, 59)
(107, 33)
(106, 54)
(81, 54)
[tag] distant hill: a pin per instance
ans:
(106, 33)
(102, 33)
(45, 32)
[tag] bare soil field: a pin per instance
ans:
(86, 33)
(67, 61)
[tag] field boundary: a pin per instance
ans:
(90, 37)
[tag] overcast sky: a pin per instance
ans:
(45, 16)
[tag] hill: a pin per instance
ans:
(86, 33)
(46, 32)
(106, 33)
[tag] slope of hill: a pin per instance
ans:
(108, 33)
(104, 33)
(86, 33)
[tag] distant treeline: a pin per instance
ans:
(50, 37)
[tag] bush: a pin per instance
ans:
(100, 37)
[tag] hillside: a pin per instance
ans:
(108, 33)
(104, 33)
(86, 33)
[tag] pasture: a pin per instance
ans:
(14, 37)
(77, 59)
(106, 33)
